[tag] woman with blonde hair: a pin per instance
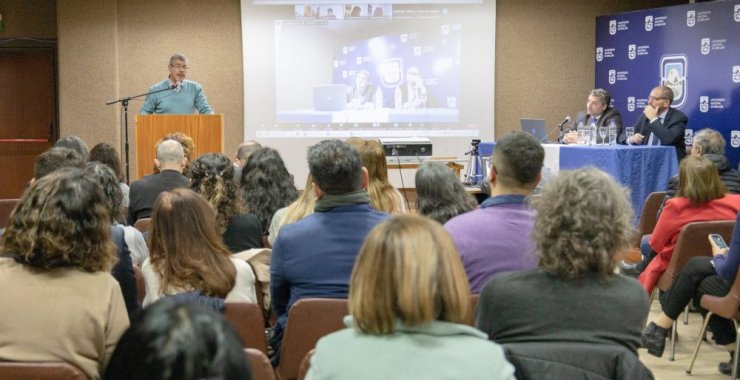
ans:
(186, 253)
(409, 301)
(299, 209)
(383, 196)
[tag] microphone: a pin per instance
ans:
(560, 126)
(177, 86)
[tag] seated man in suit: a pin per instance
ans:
(364, 95)
(598, 110)
(170, 161)
(659, 124)
(313, 258)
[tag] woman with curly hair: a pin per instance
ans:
(60, 301)
(187, 254)
(213, 178)
(266, 185)
(383, 196)
(583, 224)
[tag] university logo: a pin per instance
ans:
(703, 103)
(688, 136)
(737, 12)
(705, 46)
(690, 18)
(631, 103)
(648, 23)
(632, 51)
(612, 27)
(736, 74)
(612, 76)
(599, 54)
(735, 139)
(673, 69)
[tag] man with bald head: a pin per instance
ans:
(659, 124)
(170, 161)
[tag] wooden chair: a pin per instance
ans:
(726, 307)
(259, 364)
(144, 225)
(140, 285)
(40, 371)
(6, 207)
(305, 365)
(308, 320)
(692, 242)
(246, 319)
(649, 215)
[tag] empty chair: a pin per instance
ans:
(649, 215)
(40, 371)
(259, 364)
(247, 320)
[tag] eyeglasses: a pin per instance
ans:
(180, 67)
(656, 97)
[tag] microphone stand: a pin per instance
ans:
(124, 102)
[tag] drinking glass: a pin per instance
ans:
(630, 131)
(602, 132)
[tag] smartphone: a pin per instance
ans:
(717, 239)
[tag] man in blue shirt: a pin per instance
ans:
(182, 97)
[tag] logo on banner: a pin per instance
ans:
(632, 51)
(631, 103)
(673, 75)
(688, 137)
(706, 46)
(612, 27)
(736, 74)
(703, 103)
(735, 139)
(648, 23)
(599, 54)
(612, 76)
(690, 18)
(737, 12)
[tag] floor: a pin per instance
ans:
(706, 363)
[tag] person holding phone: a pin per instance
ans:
(701, 275)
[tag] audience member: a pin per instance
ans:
(60, 302)
(409, 303)
(170, 162)
(598, 111)
(299, 209)
(439, 193)
(496, 238)
(266, 185)
(574, 296)
(108, 155)
(701, 275)
(383, 196)
(701, 197)
(213, 179)
(244, 151)
(314, 256)
(186, 253)
(55, 159)
(178, 341)
(75, 143)
(188, 148)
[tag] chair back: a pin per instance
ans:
(6, 207)
(259, 365)
(692, 242)
(649, 214)
(309, 319)
(40, 371)
(727, 306)
(144, 225)
(305, 365)
(246, 319)
(140, 285)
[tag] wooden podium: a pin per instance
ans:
(207, 132)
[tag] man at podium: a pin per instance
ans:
(178, 95)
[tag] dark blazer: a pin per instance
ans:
(604, 120)
(670, 132)
(145, 191)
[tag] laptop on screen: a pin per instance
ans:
(535, 127)
(329, 97)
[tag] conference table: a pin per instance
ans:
(641, 168)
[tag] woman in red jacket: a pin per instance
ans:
(701, 197)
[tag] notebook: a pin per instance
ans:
(535, 127)
(329, 97)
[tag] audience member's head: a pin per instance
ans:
(383, 197)
(583, 224)
(213, 179)
(110, 184)
(75, 143)
(185, 248)
(516, 164)
(439, 193)
(245, 150)
(188, 147)
(336, 168)
(178, 341)
(303, 206)
(407, 270)
(170, 155)
(54, 159)
(62, 220)
(108, 155)
(266, 185)
(708, 141)
(699, 181)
